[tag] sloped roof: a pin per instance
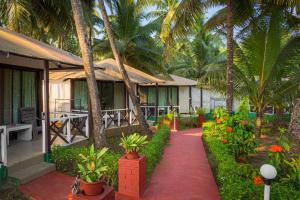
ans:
(13, 44)
(179, 81)
(107, 70)
(79, 74)
(111, 68)
(174, 80)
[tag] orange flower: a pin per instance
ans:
(258, 180)
(225, 118)
(276, 149)
(244, 122)
(242, 159)
(219, 121)
(225, 141)
(228, 129)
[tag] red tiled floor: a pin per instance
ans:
(184, 172)
(52, 186)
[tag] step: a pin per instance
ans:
(27, 162)
(32, 172)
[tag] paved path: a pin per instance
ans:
(184, 172)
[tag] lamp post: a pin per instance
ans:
(269, 173)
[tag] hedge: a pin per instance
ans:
(155, 148)
(66, 158)
(235, 180)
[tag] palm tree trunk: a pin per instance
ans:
(294, 128)
(258, 121)
(229, 86)
(140, 116)
(98, 129)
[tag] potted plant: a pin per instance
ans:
(91, 171)
(132, 144)
(201, 112)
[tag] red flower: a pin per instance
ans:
(276, 149)
(225, 141)
(242, 159)
(228, 129)
(244, 122)
(219, 121)
(258, 180)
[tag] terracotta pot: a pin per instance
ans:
(91, 189)
(201, 120)
(132, 155)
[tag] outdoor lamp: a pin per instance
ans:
(269, 173)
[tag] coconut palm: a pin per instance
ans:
(129, 86)
(133, 39)
(266, 64)
(189, 57)
(98, 129)
(175, 17)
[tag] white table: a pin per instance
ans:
(24, 131)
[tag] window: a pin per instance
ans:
(19, 90)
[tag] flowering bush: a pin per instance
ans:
(276, 155)
(241, 136)
(258, 180)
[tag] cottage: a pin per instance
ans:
(25, 119)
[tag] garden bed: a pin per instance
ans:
(231, 148)
(67, 159)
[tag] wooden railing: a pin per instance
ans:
(150, 111)
(67, 127)
(118, 117)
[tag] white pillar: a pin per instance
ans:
(4, 146)
(69, 130)
(119, 118)
(267, 192)
(87, 127)
(44, 136)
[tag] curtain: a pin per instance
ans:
(151, 96)
(16, 95)
(120, 95)
(29, 89)
(162, 96)
(20, 90)
(7, 107)
(107, 95)
(80, 95)
(174, 96)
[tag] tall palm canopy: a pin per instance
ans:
(133, 37)
(266, 63)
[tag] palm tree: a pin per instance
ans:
(176, 18)
(266, 64)
(98, 130)
(128, 83)
(294, 127)
(190, 56)
(229, 75)
(133, 39)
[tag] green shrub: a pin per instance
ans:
(154, 149)
(235, 180)
(67, 159)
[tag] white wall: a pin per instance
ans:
(211, 99)
(184, 99)
(60, 90)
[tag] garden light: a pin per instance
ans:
(269, 173)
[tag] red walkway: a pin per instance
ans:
(184, 172)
